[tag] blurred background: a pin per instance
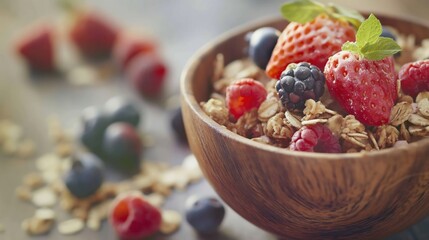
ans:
(178, 29)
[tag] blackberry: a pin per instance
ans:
(299, 82)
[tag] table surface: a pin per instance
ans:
(181, 27)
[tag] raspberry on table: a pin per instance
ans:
(244, 95)
(298, 83)
(414, 77)
(315, 138)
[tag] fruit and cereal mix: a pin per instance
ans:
(333, 82)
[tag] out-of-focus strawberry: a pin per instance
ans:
(93, 34)
(128, 46)
(362, 76)
(315, 32)
(36, 46)
(147, 74)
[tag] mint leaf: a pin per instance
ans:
(301, 11)
(369, 31)
(350, 15)
(351, 47)
(381, 48)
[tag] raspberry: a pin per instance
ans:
(312, 42)
(244, 95)
(298, 83)
(133, 217)
(414, 77)
(315, 138)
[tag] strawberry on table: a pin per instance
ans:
(92, 33)
(128, 46)
(315, 32)
(362, 76)
(414, 77)
(36, 46)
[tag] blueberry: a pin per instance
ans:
(94, 123)
(205, 214)
(85, 176)
(122, 147)
(178, 126)
(261, 45)
(119, 109)
(387, 33)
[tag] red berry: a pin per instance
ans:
(315, 138)
(36, 47)
(364, 88)
(414, 77)
(128, 46)
(133, 217)
(313, 42)
(244, 95)
(147, 73)
(93, 34)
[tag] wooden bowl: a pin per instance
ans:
(300, 195)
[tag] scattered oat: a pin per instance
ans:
(33, 180)
(36, 226)
(45, 214)
(44, 197)
(171, 221)
(82, 76)
(418, 120)
(23, 193)
(313, 121)
(155, 199)
(71, 226)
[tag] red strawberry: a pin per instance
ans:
(36, 47)
(414, 77)
(147, 73)
(93, 34)
(362, 77)
(128, 46)
(310, 39)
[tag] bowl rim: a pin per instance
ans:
(189, 99)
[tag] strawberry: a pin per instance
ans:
(414, 77)
(362, 76)
(314, 33)
(93, 34)
(37, 48)
(129, 46)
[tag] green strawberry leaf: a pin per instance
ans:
(301, 11)
(383, 47)
(369, 31)
(350, 15)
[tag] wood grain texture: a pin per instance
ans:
(304, 195)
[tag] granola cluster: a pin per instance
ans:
(272, 124)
